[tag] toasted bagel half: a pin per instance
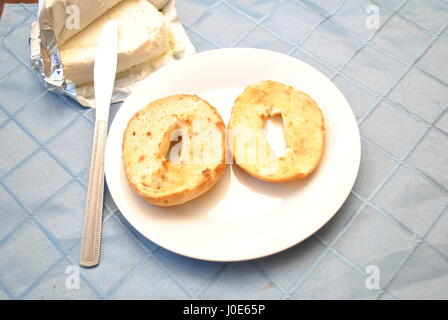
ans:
(167, 181)
(304, 132)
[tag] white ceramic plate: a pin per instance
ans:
(241, 218)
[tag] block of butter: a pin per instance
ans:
(143, 35)
(56, 13)
(150, 36)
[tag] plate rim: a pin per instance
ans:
(356, 167)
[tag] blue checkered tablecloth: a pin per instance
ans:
(394, 224)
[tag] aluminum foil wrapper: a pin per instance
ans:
(46, 60)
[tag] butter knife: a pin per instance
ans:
(104, 78)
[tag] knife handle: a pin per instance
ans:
(91, 237)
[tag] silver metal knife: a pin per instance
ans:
(104, 78)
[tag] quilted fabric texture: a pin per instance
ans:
(394, 221)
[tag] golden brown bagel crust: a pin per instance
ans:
(304, 129)
(147, 140)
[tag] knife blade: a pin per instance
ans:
(104, 78)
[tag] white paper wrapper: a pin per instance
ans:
(47, 34)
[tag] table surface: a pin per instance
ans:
(388, 241)
(14, 1)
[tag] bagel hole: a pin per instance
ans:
(275, 134)
(175, 150)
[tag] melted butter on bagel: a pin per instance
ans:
(147, 142)
(303, 126)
